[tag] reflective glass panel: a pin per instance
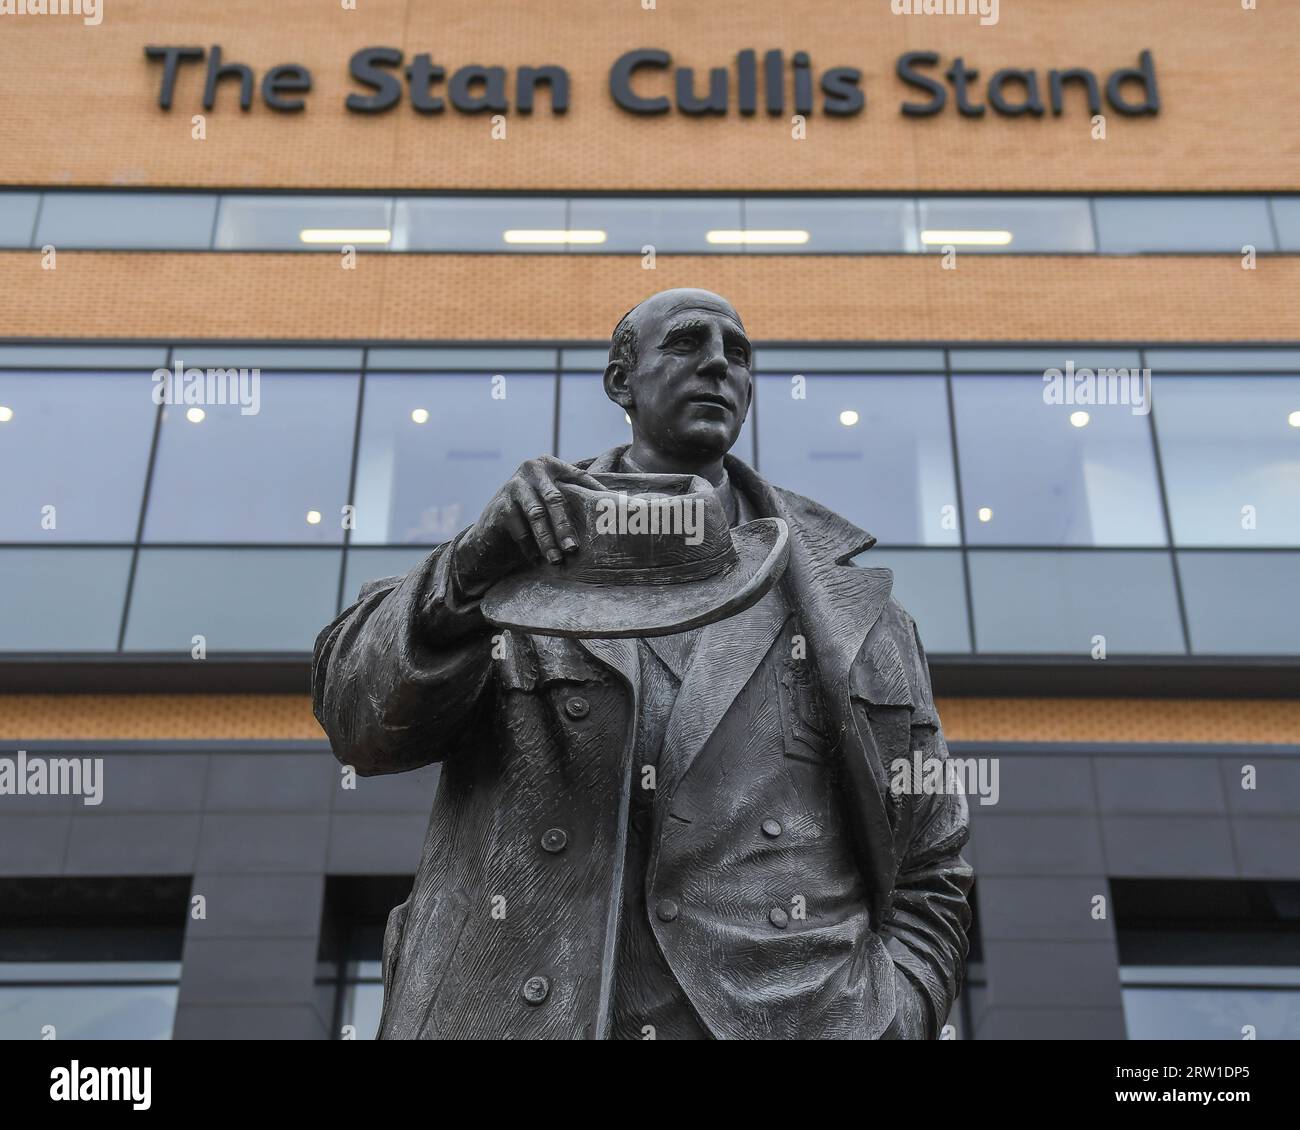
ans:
(929, 584)
(434, 449)
(62, 599)
(1038, 473)
(1133, 224)
(304, 223)
(179, 220)
(876, 450)
(817, 225)
(1039, 601)
(466, 223)
(1012, 224)
(236, 599)
(276, 474)
(664, 223)
(17, 215)
(1242, 603)
(1230, 447)
(77, 442)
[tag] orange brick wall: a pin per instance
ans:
(80, 103)
(284, 717)
(186, 296)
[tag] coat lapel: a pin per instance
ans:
(837, 604)
(727, 655)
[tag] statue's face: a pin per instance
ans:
(691, 388)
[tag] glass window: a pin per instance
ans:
(1185, 1002)
(665, 223)
(361, 997)
(147, 357)
(929, 584)
(434, 449)
(1241, 603)
(77, 442)
(304, 223)
(237, 599)
(1286, 217)
(467, 223)
(276, 474)
(814, 359)
(876, 450)
(179, 220)
(1040, 360)
(817, 225)
(1008, 225)
(1035, 473)
(62, 599)
(497, 358)
(591, 423)
(17, 216)
(120, 1000)
(1230, 447)
(1132, 224)
(1040, 601)
(366, 564)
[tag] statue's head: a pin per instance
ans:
(679, 366)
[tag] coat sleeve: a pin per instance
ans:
(398, 678)
(925, 928)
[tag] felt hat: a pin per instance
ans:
(655, 556)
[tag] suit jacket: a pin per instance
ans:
(511, 926)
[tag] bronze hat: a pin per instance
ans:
(655, 556)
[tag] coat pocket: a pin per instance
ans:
(878, 686)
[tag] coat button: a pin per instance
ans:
(666, 910)
(536, 990)
(778, 918)
(554, 840)
(577, 708)
(771, 828)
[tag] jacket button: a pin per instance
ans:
(536, 990)
(771, 828)
(778, 918)
(666, 910)
(554, 840)
(577, 708)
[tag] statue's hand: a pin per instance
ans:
(526, 520)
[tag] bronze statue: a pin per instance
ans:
(667, 814)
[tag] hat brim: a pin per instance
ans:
(547, 603)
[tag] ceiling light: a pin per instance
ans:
(420, 415)
(1293, 419)
(986, 514)
(345, 235)
(552, 235)
(1080, 419)
(195, 415)
(313, 517)
(848, 417)
(7, 414)
(751, 237)
(969, 238)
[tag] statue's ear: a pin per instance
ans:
(616, 385)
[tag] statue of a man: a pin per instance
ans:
(679, 836)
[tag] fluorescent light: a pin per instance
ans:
(1080, 419)
(420, 415)
(756, 236)
(313, 517)
(986, 514)
(970, 238)
(848, 417)
(345, 235)
(6, 414)
(1293, 419)
(195, 415)
(552, 235)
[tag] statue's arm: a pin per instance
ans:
(925, 930)
(398, 678)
